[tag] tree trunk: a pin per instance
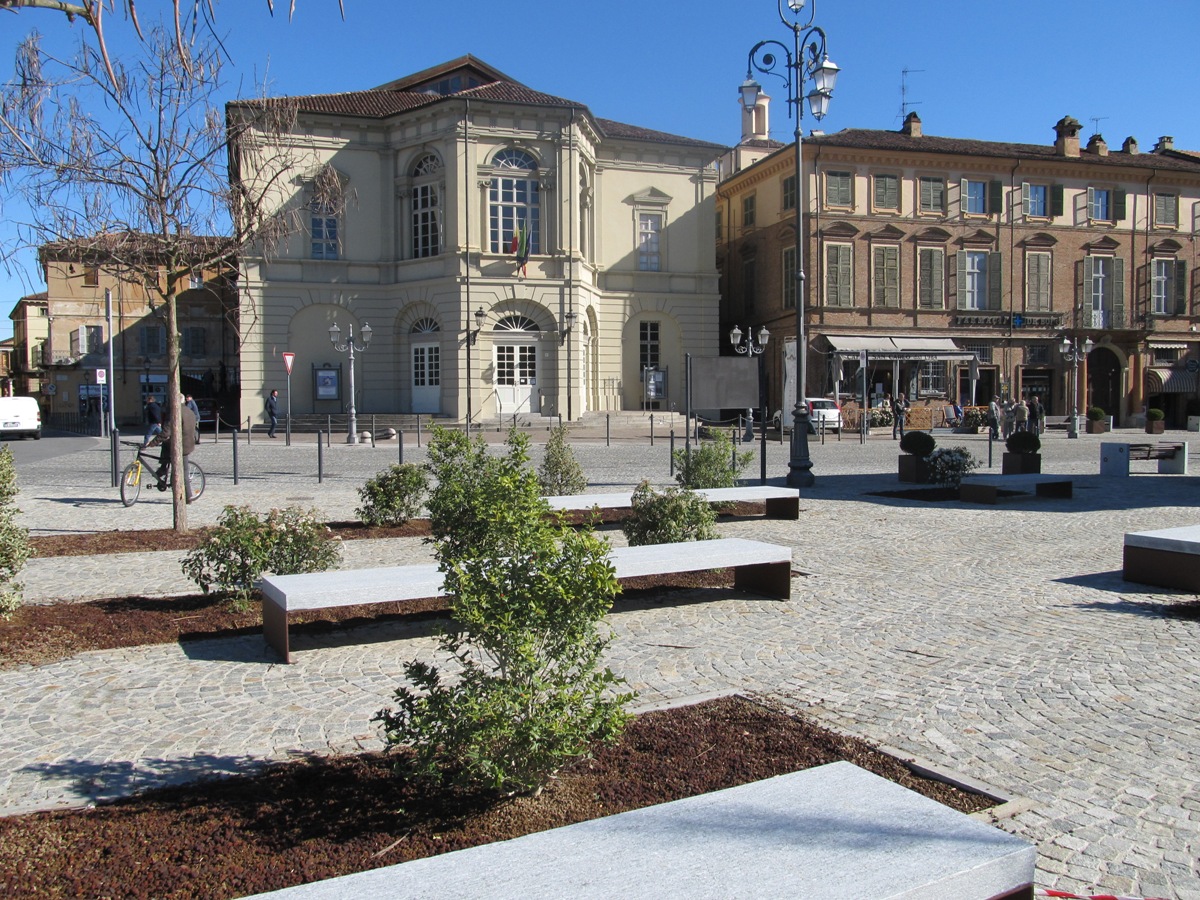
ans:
(175, 405)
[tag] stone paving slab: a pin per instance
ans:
(1001, 642)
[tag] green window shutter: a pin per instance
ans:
(1056, 200)
(996, 197)
(837, 275)
(930, 280)
(1117, 291)
(887, 276)
(961, 281)
(963, 193)
(994, 281)
(1025, 198)
(1091, 201)
(1180, 287)
(1118, 206)
(926, 194)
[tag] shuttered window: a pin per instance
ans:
(1169, 287)
(886, 265)
(839, 189)
(979, 280)
(838, 259)
(1104, 290)
(931, 278)
(933, 195)
(1037, 282)
(887, 192)
(1166, 210)
(789, 278)
(789, 192)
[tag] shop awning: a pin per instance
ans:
(1161, 380)
(881, 348)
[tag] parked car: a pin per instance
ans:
(20, 417)
(823, 410)
(209, 410)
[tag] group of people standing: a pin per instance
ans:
(1016, 415)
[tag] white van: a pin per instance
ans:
(20, 417)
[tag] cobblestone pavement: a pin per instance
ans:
(997, 641)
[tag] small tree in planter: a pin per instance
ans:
(1022, 456)
(1155, 423)
(917, 446)
(1097, 421)
(948, 465)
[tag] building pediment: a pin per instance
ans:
(933, 233)
(1105, 243)
(839, 230)
(1041, 239)
(649, 197)
(888, 232)
(979, 237)
(1166, 245)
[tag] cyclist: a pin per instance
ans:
(188, 434)
(154, 419)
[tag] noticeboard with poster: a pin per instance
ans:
(655, 384)
(327, 383)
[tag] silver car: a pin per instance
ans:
(822, 411)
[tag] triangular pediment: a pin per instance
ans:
(979, 237)
(1041, 239)
(651, 196)
(1166, 245)
(888, 232)
(839, 230)
(933, 233)
(1105, 243)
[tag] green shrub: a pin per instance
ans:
(528, 694)
(1023, 442)
(711, 464)
(392, 497)
(560, 473)
(974, 418)
(918, 443)
(243, 547)
(881, 417)
(948, 465)
(1155, 415)
(667, 517)
(1096, 414)
(14, 539)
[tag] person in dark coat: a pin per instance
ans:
(273, 412)
(154, 419)
(187, 433)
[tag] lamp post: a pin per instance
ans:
(335, 334)
(568, 326)
(748, 347)
(1073, 352)
(472, 337)
(806, 59)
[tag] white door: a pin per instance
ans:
(426, 378)
(517, 378)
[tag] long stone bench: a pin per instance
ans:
(780, 502)
(987, 488)
(758, 567)
(835, 831)
(1172, 457)
(1166, 557)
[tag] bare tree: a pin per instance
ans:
(134, 171)
(188, 16)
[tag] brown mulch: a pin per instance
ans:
(303, 821)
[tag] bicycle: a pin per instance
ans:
(131, 478)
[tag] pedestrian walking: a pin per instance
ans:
(1020, 415)
(154, 419)
(899, 414)
(273, 412)
(994, 418)
(1036, 413)
(191, 404)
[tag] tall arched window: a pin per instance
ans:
(426, 207)
(514, 205)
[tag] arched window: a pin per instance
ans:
(426, 207)
(514, 205)
(516, 323)
(425, 326)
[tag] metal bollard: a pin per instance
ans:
(320, 459)
(249, 428)
(651, 429)
(372, 432)
(989, 449)
(607, 430)
(672, 452)
(115, 454)
(233, 443)
(419, 431)
(400, 444)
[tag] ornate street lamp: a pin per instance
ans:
(335, 335)
(748, 347)
(807, 60)
(472, 337)
(1073, 352)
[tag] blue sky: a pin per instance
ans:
(1004, 71)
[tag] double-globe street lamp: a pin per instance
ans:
(749, 347)
(335, 335)
(1073, 352)
(806, 60)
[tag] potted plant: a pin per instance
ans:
(914, 466)
(973, 419)
(1155, 421)
(1097, 421)
(1022, 456)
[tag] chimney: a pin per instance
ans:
(1067, 141)
(912, 125)
(1130, 146)
(1096, 144)
(755, 124)
(1166, 142)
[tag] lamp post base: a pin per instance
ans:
(800, 463)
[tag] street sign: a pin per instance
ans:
(101, 376)
(1192, 365)
(288, 359)
(50, 388)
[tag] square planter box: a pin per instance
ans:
(913, 469)
(1021, 464)
(1100, 427)
(1156, 427)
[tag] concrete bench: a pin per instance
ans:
(758, 567)
(1172, 457)
(1167, 557)
(986, 488)
(780, 502)
(835, 831)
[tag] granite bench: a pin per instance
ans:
(780, 502)
(987, 488)
(834, 831)
(1166, 557)
(758, 567)
(1172, 457)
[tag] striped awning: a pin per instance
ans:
(1162, 380)
(882, 348)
